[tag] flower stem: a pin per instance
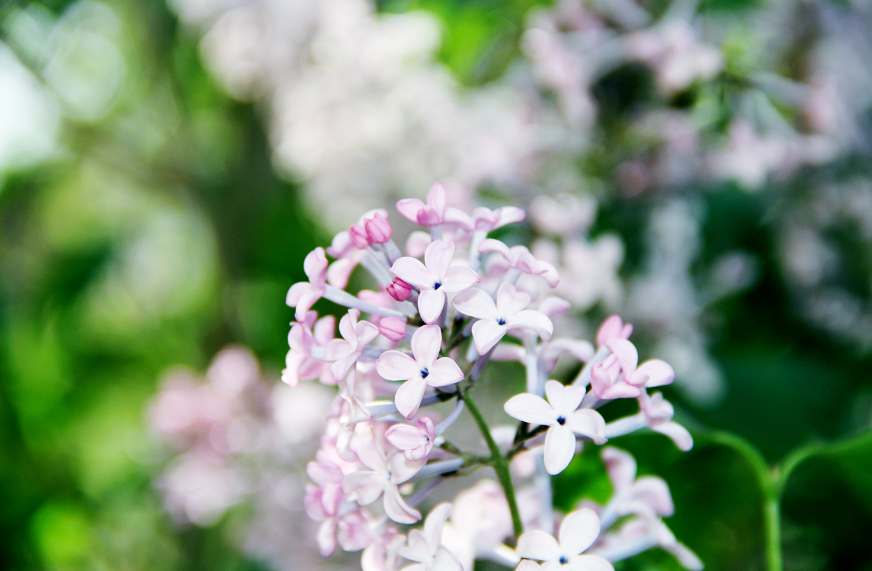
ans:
(498, 462)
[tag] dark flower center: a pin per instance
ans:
(501, 321)
(437, 285)
(425, 372)
(561, 420)
(563, 559)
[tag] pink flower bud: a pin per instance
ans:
(399, 290)
(358, 236)
(393, 328)
(378, 229)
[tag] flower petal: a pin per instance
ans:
(578, 531)
(409, 395)
(486, 333)
(426, 343)
(677, 433)
(658, 373)
(411, 270)
(491, 245)
(405, 437)
(459, 278)
(446, 561)
(627, 355)
(590, 563)
(409, 208)
(396, 366)
(397, 509)
(444, 372)
(587, 422)
(621, 467)
(559, 448)
(430, 304)
(510, 300)
(527, 565)
(416, 548)
(436, 199)
(539, 545)
(476, 303)
(533, 320)
(367, 485)
(366, 332)
(564, 399)
(531, 408)
(435, 521)
(437, 258)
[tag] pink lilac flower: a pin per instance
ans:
(425, 369)
(382, 477)
(658, 413)
(399, 290)
(383, 553)
(429, 214)
(304, 338)
(619, 377)
(495, 319)
(577, 532)
(520, 258)
(564, 421)
(426, 548)
(647, 496)
(416, 442)
(355, 337)
(303, 295)
(613, 327)
(393, 328)
(436, 277)
(373, 228)
(347, 255)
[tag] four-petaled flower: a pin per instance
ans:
(303, 295)
(658, 413)
(429, 214)
(426, 549)
(496, 319)
(300, 364)
(416, 442)
(577, 532)
(383, 476)
(564, 421)
(435, 277)
(355, 337)
(425, 369)
(520, 258)
(619, 377)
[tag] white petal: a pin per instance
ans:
(444, 372)
(531, 408)
(413, 271)
(658, 373)
(437, 258)
(533, 320)
(397, 509)
(459, 278)
(677, 433)
(578, 531)
(564, 399)
(590, 563)
(409, 395)
(426, 343)
(430, 304)
(559, 448)
(486, 333)
(588, 423)
(433, 525)
(475, 303)
(539, 545)
(396, 366)
(510, 300)
(446, 561)
(405, 437)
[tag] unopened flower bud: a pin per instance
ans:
(399, 290)
(393, 328)
(378, 229)
(358, 236)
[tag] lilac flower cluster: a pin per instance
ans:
(431, 331)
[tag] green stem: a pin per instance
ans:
(499, 463)
(772, 521)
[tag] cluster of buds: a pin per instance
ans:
(431, 331)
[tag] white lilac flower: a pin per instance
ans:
(578, 532)
(426, 548)
(559, 414)
(435, 277)
(425, 369)
(382, 477)
(495, 319)
(519, 258)
(356, 335)
(416, 442)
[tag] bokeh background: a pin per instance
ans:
(164, 169)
